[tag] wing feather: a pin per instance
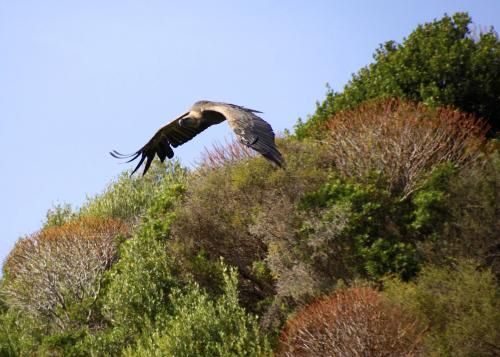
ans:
(252, 131)
(170, 135)
(255, 133)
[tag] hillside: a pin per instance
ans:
(380, 237)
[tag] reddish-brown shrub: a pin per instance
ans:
(402, 140)
(59, 267)
(352, 322)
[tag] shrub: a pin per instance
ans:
(441, 63)
(20, 335)
(221, 206)
(56, 275)
(352, 322)
(459, 304)
(402, 141)
(464, 216)
(130, 197)
(199, 326)
(140, 282)
(9, 344)
(341, 230)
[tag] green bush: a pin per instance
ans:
(340, 231)
(459, 304)
(463, 220)
(58, 215)
(200, 326)
(140, 282)
(129, 197)
(441, 63)
(430, 202)
(374, 227)
(20, 334)
(9, 339)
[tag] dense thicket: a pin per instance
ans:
(447, 62)
(379, 239)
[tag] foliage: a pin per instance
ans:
(56, 275)
(141, 281)
(200, 326)
(431, 210)
(341, 230)
(356, 321)
(441, 63)
(402, 141)
(130, 196)
(459, 304)
(58, 215)
(392, 187)
(19, 334)
(222, 204)
(9, 341)
(462, 217)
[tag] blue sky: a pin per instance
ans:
(79, 78)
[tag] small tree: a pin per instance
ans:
(129, 197)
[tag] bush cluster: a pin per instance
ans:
(379, 239)
(441, 63)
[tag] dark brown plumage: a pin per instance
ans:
(251, 130)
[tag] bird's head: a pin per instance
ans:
(191, 118)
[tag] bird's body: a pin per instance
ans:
(251, 130)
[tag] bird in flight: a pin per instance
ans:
(250, 129)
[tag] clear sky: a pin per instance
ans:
(79, 78)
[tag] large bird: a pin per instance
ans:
(250, 129)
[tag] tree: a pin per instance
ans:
(442, 63)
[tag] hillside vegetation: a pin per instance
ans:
(379, 238)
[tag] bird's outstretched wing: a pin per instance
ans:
(171, 135)
(255, 133)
